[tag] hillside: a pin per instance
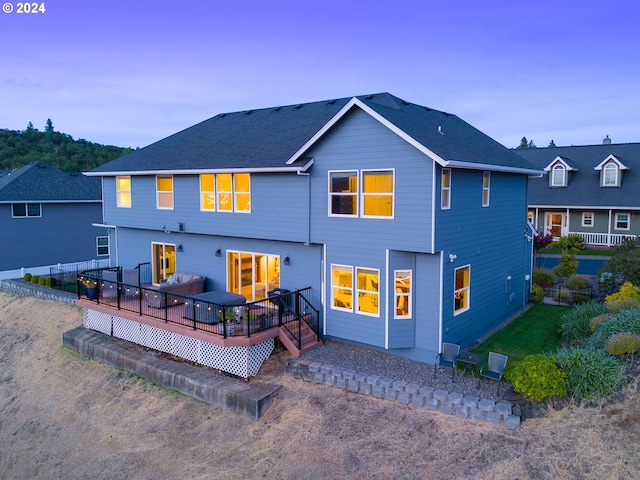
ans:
(60, 150)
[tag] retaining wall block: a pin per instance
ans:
(307, 376)
(504, 408)
(427, 391)
(337, 371)
(432, 403)
(440, 395)
(446, 407)
(315, 366)
(511, 421)
(386, 382)
(341, 383)
(349, 374)
(470, 401)
(462, 411)
(477, 414)
(353, 385)
(494, 417)
(404, 397)
(361, 377)
(412, 388)
(486, 405)
(326, 368)
(318, 377)
(373, 379)
(418, 399)
(455, 398)
(330, 379)
(391, 394)
(399, 385)
(378, 391)
(366, 388)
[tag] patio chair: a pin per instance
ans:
(447, 359)
(494, 368)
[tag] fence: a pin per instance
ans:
(561, 294)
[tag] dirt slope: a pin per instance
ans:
(63, 416)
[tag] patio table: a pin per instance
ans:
(469, 360)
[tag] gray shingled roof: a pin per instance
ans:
(39, 182)
(269, 137)
(584, 185)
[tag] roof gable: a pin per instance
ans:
(563, 161)
(611, 158)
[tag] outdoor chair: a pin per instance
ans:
(494, 369)
(447, 359)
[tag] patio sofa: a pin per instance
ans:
(184, 284)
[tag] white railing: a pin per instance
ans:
(604, 239)
(46, 269)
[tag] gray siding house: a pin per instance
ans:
(590, 190)
(46, 218)
(408, 224)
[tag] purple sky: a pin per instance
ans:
(130, 72)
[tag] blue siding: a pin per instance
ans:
(492, 241)
(63, 234)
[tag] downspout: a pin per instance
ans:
(386, 293)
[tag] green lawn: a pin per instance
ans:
(602, 252)
(535, 331)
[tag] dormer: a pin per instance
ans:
(611, 171)
(559, 170)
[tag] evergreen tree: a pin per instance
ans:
(523, 143)
(49, 126)
(531, 144)
(552, 144)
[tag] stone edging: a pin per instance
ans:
(29, 290)
(467, 407)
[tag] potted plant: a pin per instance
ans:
(90, 288)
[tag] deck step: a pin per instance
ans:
(309, 340)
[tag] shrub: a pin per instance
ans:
(623, 343)
(42, 281)
(578, 282)
(591, 374)
(537, 294)
(27, 277)
(51, 282)
(568, 264)
(619, 305)
(597, 320)
(621, 322)
(575, 322)
(35, 279)
(579, 298)
(544, 278)
(627, 291)
(537, 377)
(572, 241)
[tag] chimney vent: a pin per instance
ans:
(606, 140)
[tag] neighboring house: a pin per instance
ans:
(408, 224)
(46, 218)
(590, 190)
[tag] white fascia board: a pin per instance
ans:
(494, 168)
(584, 207)
(296, 169)
(611, 157)
(51, 201)
(355, 102)
(559, 159)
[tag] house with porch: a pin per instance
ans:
(589, 190)
(388, 224)
(46, 218)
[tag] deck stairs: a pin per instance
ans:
(308, 339)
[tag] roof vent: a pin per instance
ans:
(606, 140)
(440, 130)
(297, 107)
(277, 109)
(248, 112)
(331, 102)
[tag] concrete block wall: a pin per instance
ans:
(450, 403)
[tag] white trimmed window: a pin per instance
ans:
(558, 175)
(461, 289)
(377, 193)
(368, 291)
(234, 192)
(623, 221)
(610, 175)
(486, 185)
(26, 210)
(123, 191)
(587, 219)
(342, 287)
(102, 245)
(445, 189)
(207, 192)
(164, 192)
(402, 294)
(343, 193)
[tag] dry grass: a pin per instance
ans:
(63, 416)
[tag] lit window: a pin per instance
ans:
(102, 244)
(123, 191)
(622, 221)
(610, 175)
(587, 219)
(403, 294)
(367, 290)
(558, 176)
(377, 193)
(164, 191)
(342, 287)
(26, 210)
(461, 289)
(343, 192)
(242, 192)
(486, 183)
(225, 192)
(445, 189)
(207, 192)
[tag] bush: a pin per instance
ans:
(575, 322)
(537, 294)
(578, 282)
(27, 277)
(595, 321)
(621, 322)
(619, 305)
(591, 374)
(35, 279)
(572, 241)
(623, 343)
(51, 282)
(568, 264)
(627, 292)
(537, 377)
(544, 278)
(579, 299)
(42, 281)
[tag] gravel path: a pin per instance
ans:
(365, 360)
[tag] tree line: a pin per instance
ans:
(57, 149)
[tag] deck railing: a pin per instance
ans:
(604, 239)
(287, 309)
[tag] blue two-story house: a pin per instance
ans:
(408, 224)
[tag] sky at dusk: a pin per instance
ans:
(129, 73)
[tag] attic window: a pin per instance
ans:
(610, 175)
(558, 175)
